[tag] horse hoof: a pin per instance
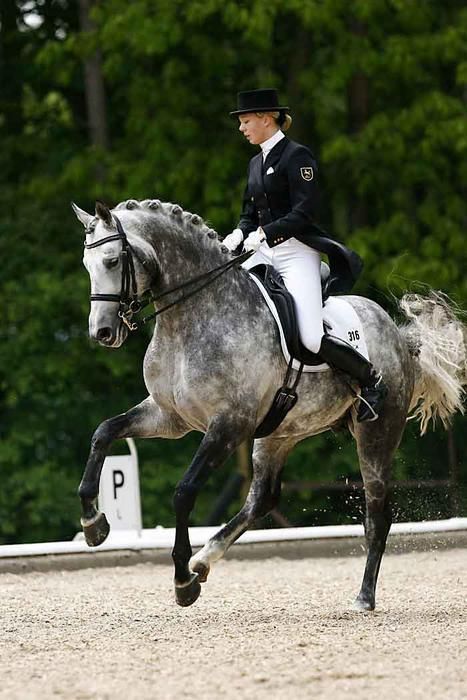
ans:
(363, 604)
(96, 530)
(188, 593)
(202, 570)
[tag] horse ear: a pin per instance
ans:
(103, 212)
(82, 215)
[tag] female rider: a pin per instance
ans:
(277, 222)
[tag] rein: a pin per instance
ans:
(206, 275)
(130, 303)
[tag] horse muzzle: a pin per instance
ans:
(109, 337)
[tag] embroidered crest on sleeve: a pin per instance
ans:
(307, 173)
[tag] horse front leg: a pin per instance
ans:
(219, 442)
(144, 420)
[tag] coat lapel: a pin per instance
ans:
(275, 154)
(256, 174)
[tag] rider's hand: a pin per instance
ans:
(254, 240)
(233, 240)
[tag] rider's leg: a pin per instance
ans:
(299, 266)
(343, 356)
(263, 256)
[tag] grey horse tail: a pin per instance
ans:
(437, 340)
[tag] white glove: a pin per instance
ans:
(233, 240)
(254, 240)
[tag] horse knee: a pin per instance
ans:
(184, 497)
(108, 431)
(102, 436)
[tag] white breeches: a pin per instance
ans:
(299, 267)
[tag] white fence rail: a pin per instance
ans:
(163, 538)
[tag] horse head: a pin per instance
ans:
(165, 247)
(115, 276)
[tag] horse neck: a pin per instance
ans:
(216, 304)
(176, 250)
(172, 250)
(182, 252)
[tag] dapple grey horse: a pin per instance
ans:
(214, 365)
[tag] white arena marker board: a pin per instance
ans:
(119, 494)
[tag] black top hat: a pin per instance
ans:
(258, 101)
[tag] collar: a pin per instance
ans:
(269, 144)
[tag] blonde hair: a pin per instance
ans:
(282, 119)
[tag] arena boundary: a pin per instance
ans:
(160, 538)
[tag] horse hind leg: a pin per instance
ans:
(268, 459)
(376, 444)
(262, 497)
(378, 521)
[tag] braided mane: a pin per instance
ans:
(174, 211)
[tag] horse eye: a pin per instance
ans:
(111, 262)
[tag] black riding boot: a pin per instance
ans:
(342, 356)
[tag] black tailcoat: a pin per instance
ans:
(281, 196)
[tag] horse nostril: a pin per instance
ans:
(104, 334)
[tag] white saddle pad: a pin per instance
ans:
(340, 319)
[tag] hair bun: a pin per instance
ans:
(287, 123)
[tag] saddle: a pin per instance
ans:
(285, 305)
(286, 397)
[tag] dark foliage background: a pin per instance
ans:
(118, 100)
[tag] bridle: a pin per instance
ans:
(128, 300)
